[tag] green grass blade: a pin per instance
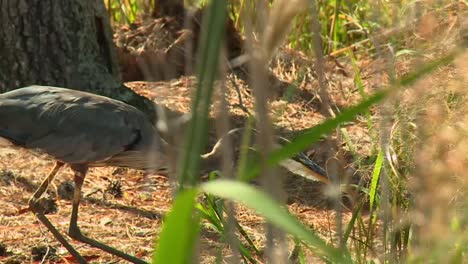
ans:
(304, 140)
(180, 231)
(208, 215)
(249, 241)
(210, 47)
(352, 222)
(273, 212)
(375, 179)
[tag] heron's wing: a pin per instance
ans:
(75, 127)
(88, 130)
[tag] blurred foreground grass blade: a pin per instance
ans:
(181, 228)
(274, 213)
(244, 149)
(207, 69)
(412, 77)
(304, 140)
(180, 231)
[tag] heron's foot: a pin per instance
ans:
(41, 205)
(75, 233)
(36, 208)
(34, 205)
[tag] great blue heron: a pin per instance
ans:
(84, 130)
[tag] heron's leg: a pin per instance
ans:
(75, 232)
(38, 211)
(33, 201)
(45, 183)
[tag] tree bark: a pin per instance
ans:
(65, 43)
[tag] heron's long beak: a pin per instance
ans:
(299, 165)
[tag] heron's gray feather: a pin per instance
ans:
(73, 126)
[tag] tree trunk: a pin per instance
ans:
(65, 43)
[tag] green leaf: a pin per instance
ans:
(180, 231)
(375, 179)
(272, 211)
